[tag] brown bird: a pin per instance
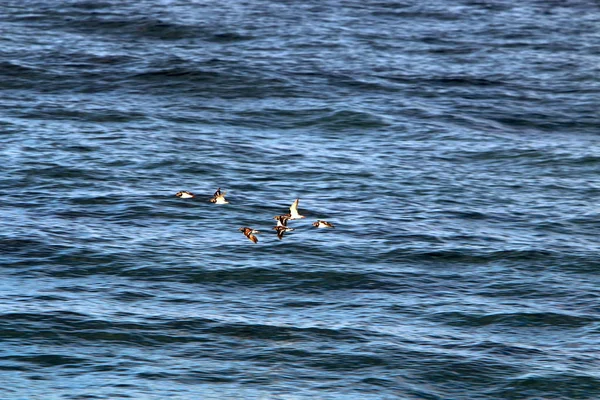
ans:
(249, 233)
(323, 224)
(282, 220)
(219, 197)
(184, 194)
(281, 230)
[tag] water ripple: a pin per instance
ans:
(454, 147)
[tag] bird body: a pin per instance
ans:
(282, 220)
(323, 224)
(184, 194)
(219, 197)
(249, 233)
(294, 210)
(281, 230)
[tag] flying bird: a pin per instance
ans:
(294, 210)
(219, 197)
(282, 220)
(249, 233)
(323, 224)
(281, 230)
(184, 194)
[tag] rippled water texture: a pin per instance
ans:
(454, 145)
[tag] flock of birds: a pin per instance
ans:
(282, 220)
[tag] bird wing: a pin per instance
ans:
(294, 207)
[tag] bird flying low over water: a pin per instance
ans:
(323, 224)
(219, 197)
(294, 210)
(249, 233)
(281, 230)
(184, 194)
(282, 220)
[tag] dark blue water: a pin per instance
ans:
(455, 146)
